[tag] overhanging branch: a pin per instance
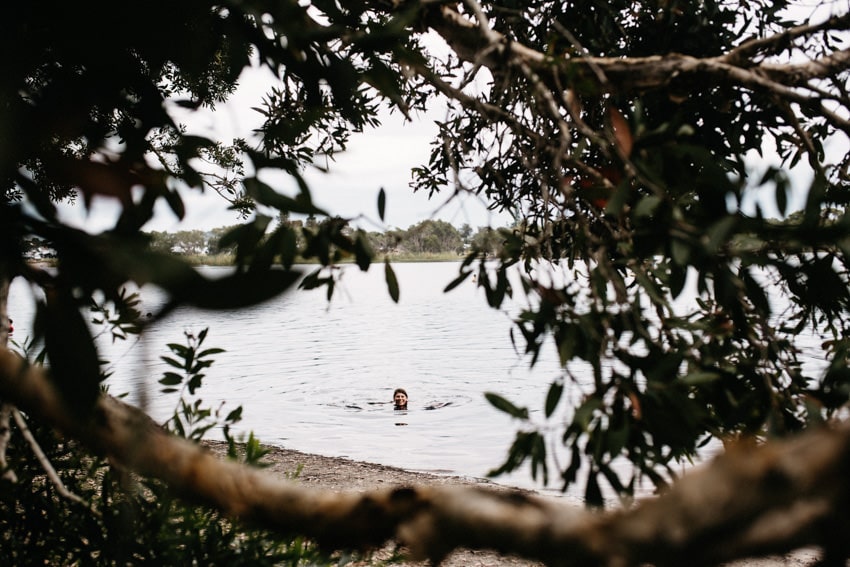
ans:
(745, 66)
(751, 501)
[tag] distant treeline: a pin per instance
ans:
(426, 237)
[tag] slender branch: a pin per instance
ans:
(802, 135)
(630, 74)
(45, 462)
(800, 73)
(777, 43)
(483, 22)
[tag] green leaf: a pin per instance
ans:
(170, 379)
(700, 377)
(210, 352)
(186, 285)
(618, 199)
(556, 389)
(782, 198)
(457, 281)
(178, 349)
(538, 459)
(264, 194)
(520, 449)
(718, 233)
(74, 362)
(755, 293)
(238, 290)
(584, 414)
(363, 252)
(392, 282)
(234, 416)
(382, 203)
(680, 251)
(617, 438)
(646, 206)
(288, 247)
(613, 479)
(592, 492)
(570, 341)
(178, 426)
(678, 278)
(571, 472)
(172, 362)
(504, 405)
(195, 383)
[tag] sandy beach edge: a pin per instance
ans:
(342, 474)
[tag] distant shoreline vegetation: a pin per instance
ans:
(227, 259)
(427, 241)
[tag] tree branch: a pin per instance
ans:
(45, 462)
(632, 74)
(751, 501)
(778, 43)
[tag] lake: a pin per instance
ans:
(318, 376)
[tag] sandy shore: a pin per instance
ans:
(341, 474)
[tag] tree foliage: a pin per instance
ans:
(623, 136)
(620, 135)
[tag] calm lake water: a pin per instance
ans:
(318, 377)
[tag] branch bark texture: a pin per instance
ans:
(622, 75)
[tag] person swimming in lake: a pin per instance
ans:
(399, 399)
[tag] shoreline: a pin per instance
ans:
(349, 475)
(341, 474)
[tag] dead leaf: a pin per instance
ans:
(622, 132)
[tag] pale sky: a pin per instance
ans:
(378, 158)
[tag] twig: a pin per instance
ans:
(45, 462)
(780, 42)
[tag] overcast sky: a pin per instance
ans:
(377, 158)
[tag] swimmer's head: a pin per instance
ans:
(399, 399)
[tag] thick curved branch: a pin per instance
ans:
(801, 73)
(634, 74)
(751, 501)
(778, 43)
